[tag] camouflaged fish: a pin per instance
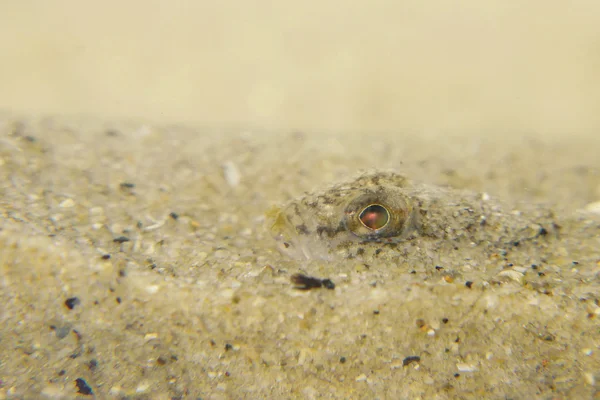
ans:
(385, 215)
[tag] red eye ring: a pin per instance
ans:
(374, 217)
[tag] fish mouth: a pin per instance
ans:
(295, 240)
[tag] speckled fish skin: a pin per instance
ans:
(435, 221)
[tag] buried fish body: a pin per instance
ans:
(384, 215)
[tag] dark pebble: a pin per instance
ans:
(328, 284)
(228, 347)
(93, 364)
(106, 256)
(71, 302)
(437, 267)
(121, 239)
(174, 215)
(62, 331)
(304, 282)
(342, 360)
(468, 284)
(445, 320)
(410, 359)
(83, 387)
(127, 185)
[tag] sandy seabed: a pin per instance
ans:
(135, 264)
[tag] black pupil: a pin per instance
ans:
(374, 217)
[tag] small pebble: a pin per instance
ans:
(411, 359)
(231, 173)
(68, 203)
(83, 387)
(62, 331)
(72, 302)
(593, 207)
(328, 284)
(142, 387)
(589, 378)
(303, 282)
(152, 289)
(512, 274)
(221, 254)
(462, 367)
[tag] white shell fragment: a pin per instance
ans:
(67, 203)
(463, 367)
(231, 173)
(593, 207)
(512, 274)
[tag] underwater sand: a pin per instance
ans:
(134, 263)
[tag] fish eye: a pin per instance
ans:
(374, 217)
(386, 213)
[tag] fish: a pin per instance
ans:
(385, 216)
